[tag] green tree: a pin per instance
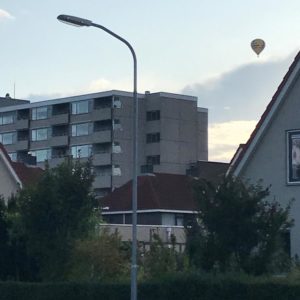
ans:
(161, 259)
(237, 227)
(4, 241)
(102, 257)
(54, 213)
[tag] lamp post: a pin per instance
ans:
(71, 20)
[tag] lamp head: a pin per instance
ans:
(75, 21)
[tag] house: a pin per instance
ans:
(272, 152)
(163, 199)
(15, 175)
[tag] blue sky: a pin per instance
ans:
(196, 47)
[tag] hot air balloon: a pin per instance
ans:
(258, 46)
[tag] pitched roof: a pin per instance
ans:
(22, 173)
(244, 151)
(209, 170)
(155, 192)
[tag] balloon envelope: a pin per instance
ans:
(258, 45)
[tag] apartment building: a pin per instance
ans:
(172, 133)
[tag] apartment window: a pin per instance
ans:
(39, 113)
(13, 156)
(153, 115)
(81, 129)
(41, 155)
(117, 124)
(116, 147)
(81, 151)
(153, 160)
(80, 107)
(153, 138)
(7, 138)
(6, 118)
(40, 134)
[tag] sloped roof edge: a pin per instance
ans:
(237, 165)
(8, 164)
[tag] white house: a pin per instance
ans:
(272, 152)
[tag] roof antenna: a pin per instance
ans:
(14, 90)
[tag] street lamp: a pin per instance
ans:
(71, 20)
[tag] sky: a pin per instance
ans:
(195, 47)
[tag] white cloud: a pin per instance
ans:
(246, 90)
(5, 15)
(224, 138)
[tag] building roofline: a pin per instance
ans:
(174, 96)
(242, 158)
(70, 99)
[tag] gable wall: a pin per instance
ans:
(269, 160)
(7, 183)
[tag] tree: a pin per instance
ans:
(99, 258)
(4, 241)
(237, 227)
(54, 213)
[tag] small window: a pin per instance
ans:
(153, 138)
(116, 170)
(153, 160)
(7, 138)
(40, 134)
(81, 129)
(39, 113)
(41, 155)
(80, 107)
(153, 115)
(117, 124)
(116, 147)
(13, 156)
(81, 151)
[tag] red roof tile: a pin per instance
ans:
(158, 191)
(26, 174)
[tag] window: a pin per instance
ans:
(41, 155)
(80, 107)
(293, 145)
(153, 115)
(81, 129)
(7, 138)
(116, 170)
(81, 151)
(153, 137)
(153, 160)
(13, 156)
(6, 118)
(116, 147)
(40, 134)
(39, 113)
(117, 124)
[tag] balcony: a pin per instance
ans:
(59, 119)
(102, 182)
(101, 114)
(102, 136)
(101, 159)
(59, 140)
(21, 145)
(22, 124)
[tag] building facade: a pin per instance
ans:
(172, 133)
(272, 153)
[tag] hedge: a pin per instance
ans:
(192, 287)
